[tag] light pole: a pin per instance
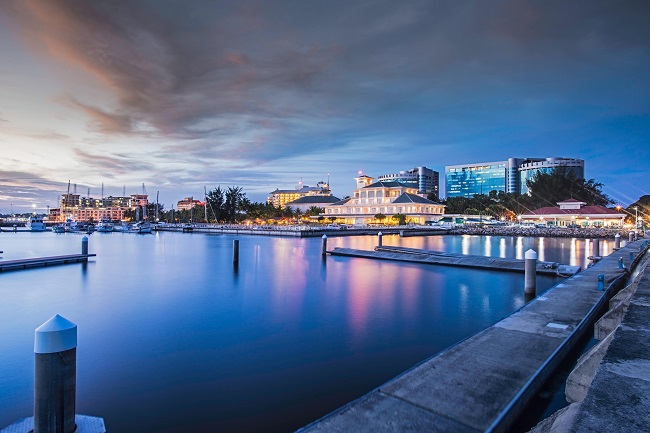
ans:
(636, 217)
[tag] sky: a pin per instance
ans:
(186, 95)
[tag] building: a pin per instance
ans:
(575, 213)
(188, 203)
(383, 197)
(281, 197)
(78, 208)
(466, 180)
(308, 201)
(424, 179)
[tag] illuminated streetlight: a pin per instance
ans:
(636, 217)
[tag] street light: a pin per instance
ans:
(636, 217)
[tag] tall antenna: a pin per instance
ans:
(68, 187)
(157, 192)
(124, 191)
(75, 188)
(102, 189)
(205, 203)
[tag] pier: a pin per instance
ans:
(484, 383)
(449, 259)
(13, 265)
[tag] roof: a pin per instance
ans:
(314, 199)
(585, 210)
(412, 198)
(571, 200)
(344, 201)
(388, 184)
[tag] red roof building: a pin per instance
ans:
(572, 212)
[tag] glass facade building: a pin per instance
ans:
(467, 180)
(427, 181)
(470, 179)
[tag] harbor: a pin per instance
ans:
(333, 317)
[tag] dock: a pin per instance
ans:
(484, 383)
(448, 259)
(13, 265)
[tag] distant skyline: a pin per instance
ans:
(257, 94)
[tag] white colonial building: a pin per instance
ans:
(387, 198)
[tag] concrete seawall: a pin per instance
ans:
(483, 383)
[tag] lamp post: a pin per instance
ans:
(636, 217)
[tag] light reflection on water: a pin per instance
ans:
(173, 338)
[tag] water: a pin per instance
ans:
(173, 339)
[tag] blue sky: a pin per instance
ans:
(181, 95)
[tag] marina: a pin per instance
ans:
(268, 345)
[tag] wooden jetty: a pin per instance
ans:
(449, 259)
(12, 265)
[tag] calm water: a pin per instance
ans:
(173, 339)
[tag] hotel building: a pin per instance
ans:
(384, 197)
(77, 208)
(281, 197)
(427, 181)
(466, 180)
(575, 213)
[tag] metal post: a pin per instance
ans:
(636, 236)
(530, 273)
(617, 241)
(235, 251)
(379, 239)
(55, 376)
(324, 245)
(631, 239)
(596, 248)
(84, 245)
(620, 262)
(601, 282)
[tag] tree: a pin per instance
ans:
(547, 189)
(314, 211)
(400, 218)
(380, 217)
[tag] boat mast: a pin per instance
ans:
(157, 192)
(205, 204)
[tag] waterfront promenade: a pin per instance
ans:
(483, 383)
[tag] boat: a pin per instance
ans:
(59, 228)
(122, 227)
(105, 226)
(36, 224)
(141, 227)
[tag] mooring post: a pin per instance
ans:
(530, 273)
(631, 238)
(84, 245)
(620, 262)
(323, 248)
(636, 235)
(379, 239)
(617, 241)
(596, 248)
(601, 282)
(55, 376)
(235, 251)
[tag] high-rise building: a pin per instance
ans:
(466, 180)
(424, 179)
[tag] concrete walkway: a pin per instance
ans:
(483, 383)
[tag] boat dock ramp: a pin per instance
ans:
(13, 265)
(449, 259)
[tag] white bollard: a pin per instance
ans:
(617, 241)
(530, 273)
(55, 376)
(379, 239)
